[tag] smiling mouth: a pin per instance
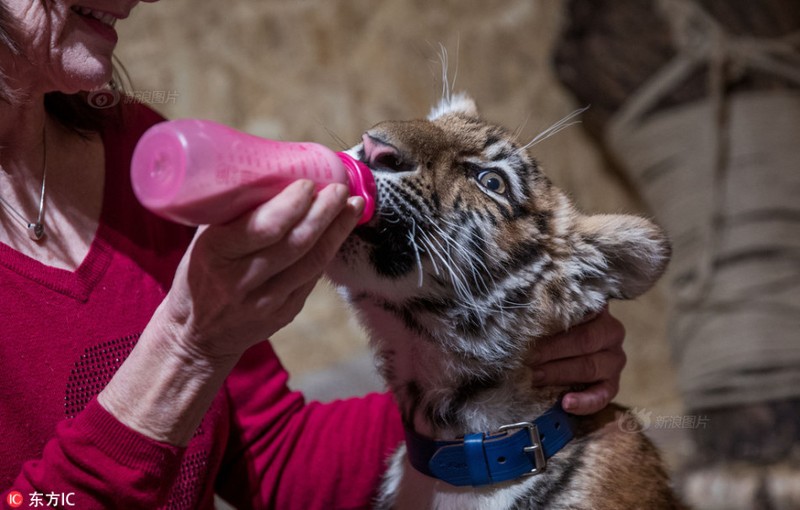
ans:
(103, 17)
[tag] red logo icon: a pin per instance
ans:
(14, 499)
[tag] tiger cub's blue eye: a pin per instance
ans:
(492, 181)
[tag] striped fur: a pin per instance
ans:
(472, 255)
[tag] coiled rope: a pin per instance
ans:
(723, 176)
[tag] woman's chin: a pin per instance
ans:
(84, 72)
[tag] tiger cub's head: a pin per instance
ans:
(468, 229)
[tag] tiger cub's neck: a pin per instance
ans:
(443, 389)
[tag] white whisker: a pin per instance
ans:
(555, 128)
(412, 240)
(518, 132)
(456, 228)
(461, 290)
(448, 86)
(430, 250)
(471, 258)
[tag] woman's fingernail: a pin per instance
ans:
(357, 205)
(568, 403)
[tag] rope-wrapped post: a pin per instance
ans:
(698, 103)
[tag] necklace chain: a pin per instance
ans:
(35, 229)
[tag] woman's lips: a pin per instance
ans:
(100, 22)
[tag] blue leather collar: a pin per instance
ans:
(516, 450)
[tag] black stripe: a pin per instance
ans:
(506, 153)
(519, 295)
(471, 388)
(549, 491)
(413, 201)
(361, 296)
(393, 258)
(573, 466)
(385, 359)
(519, 211)
(436, 201)
(543, 219)
(475, 244)
(492, 139)
(471, 324)
(457, 202)
(403, 312)
(414, 187)
(413, 394)
(433, 305)
(410, 322)
(523, 255)
(534, 178)
(510, 213)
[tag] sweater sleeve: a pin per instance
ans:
(286, 454)
(96, 462)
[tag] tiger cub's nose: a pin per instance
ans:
(381, 156)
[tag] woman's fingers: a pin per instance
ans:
(591, 400)
(590, 353)
(244, 280)
(603, 332)
(590, 368)
(284, 238)
(311, 266)
(265, 225)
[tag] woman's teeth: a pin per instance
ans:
(105, 18)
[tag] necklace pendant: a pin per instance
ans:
(35, 231)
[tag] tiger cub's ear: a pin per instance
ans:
(459, 104)
(636, 252)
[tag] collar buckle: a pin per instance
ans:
(539, 460)
(479, 459)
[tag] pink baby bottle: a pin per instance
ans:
(198, 172)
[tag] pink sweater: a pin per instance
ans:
(63, 336)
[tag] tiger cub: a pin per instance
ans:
(471, 256)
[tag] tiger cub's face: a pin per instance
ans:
(466, 222)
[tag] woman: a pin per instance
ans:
(151, 334)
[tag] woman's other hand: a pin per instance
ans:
(590, 353)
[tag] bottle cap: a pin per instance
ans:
(361, 183)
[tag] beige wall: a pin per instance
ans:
(324, 70)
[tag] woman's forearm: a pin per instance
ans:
(238, 284)
(161, 391)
